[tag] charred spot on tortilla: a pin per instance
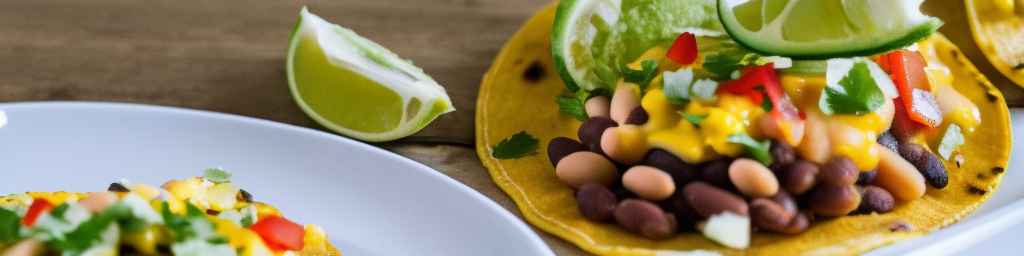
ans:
(1019, 66)
(976, 190)
(998, 170)
(900, 226)
(981, 176)
(534, 73)
(991, 96)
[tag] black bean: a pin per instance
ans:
(592, 129)
(769, 215)
(117, 187)
(244, 196)
(799, 177)
(839, 171)
(621, 192)
(717, 173)
(681, 172)
(782, 153)
(686, 216)
(933, 170)
(596, 202)
(876, 199)
(645, 218)
(913, 153)
(561, 147)
(637, 116)
(866, 178)
(889, 141)
(834, 201)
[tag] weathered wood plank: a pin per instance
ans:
(228, 56)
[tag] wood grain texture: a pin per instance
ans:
(228, 56)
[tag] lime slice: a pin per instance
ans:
(592, 39)
(356, 87)
(818, 29)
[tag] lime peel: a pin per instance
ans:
(356, 87)
(900, 24)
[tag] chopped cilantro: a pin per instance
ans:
(217, 240)
(181, 227)
(648, 70)
(856, 93)
(10, 224)
(760, 150)
(519, 145)
(951, 140)
(217, 175)
(178, 225)
(693, 119)
(90, 232)
(60, 210)
(247, 220)
(766, 105)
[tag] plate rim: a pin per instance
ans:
(531, 237)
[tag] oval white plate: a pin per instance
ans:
(370, 201)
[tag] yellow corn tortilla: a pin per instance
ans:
(999, 35)
(310, 248)
(518, 93)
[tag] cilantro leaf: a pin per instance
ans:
(10, 224)
(857, 93)
(574, 106)
(648, 70)
(724, 62)
(519, 145)
(217, 175)
(953, 138)
(760, 150)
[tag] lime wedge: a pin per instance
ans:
(356, 87)
(593, 39)
(819, 29)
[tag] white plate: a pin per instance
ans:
(370, 201)
(991, 230)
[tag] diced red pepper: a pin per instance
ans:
(279, 233)
(684, 50)
(902, 127)
(907, 71)
(38, 208)
(763, 77)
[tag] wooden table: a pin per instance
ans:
(228, 56)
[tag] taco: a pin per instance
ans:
(206, 215)
(998, 29)
(632, 177)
